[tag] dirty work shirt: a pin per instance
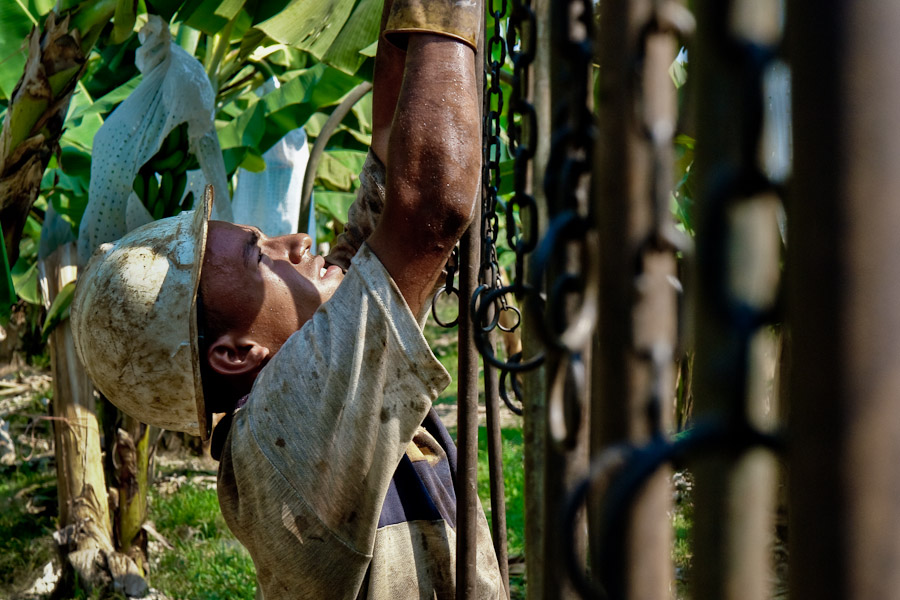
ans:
(313, 453)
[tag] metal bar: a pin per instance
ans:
(736, 279)
(567, 193)
(639, 305)
(318, 149)
(843, 288)
(495, 468)
(467, 421)
(493, 108)
(534, 425)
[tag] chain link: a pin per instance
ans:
(653, 341)
(569, 250)
(489, 275)
(738, 180)
(449, 289)
(490, 299)
(571, 231)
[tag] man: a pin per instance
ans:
(334, 472)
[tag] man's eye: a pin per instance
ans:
(259, 257)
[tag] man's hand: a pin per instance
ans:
(433, 165)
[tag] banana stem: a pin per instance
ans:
(220, 45)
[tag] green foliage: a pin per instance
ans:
(683, 193)
(514, 484)
(58, 311)
(207, 563)
(7, 287)
(17, 17)
(24, 272)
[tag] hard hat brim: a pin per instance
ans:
(199, 231)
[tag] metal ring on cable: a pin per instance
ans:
(481, 341)
(511, 328)
(474, 307)
(514, 382)
(565, 227)
(564, 405)
(443, 290)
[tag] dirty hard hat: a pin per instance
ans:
(134, 319)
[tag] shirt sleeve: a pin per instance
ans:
(310, 456)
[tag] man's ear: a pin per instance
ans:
(231, 355)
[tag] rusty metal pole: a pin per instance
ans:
(569, 249)
(843, 288)
(637, 337)
(534, 426)
(735, 296)
(467, 421)
(495, 469)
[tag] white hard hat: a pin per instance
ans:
(134, 319)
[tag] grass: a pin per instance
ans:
(514, 485)
(207, 562)
(28, 501)
(27, 521)
(514, 489)
(444, 344)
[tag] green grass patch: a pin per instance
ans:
(207, 563)
(27, 522)
(443, 342)
(514, 485)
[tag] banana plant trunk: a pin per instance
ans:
(57, 57)
(85, 535)
(133, 453)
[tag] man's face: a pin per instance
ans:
(267, 287)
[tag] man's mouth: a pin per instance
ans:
(329, 271)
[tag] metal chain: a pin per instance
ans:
(569, 250)
(489, 274)
(571, 230)
(738, 183)
(656, 103)
(522, 130)
(490, 280)
(520, 46)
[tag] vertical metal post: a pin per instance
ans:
(638, 330)
(534, 426)
(844, 284)
(738, 256)
(467, 421)
(570, 311)
(495, 54)
(495, 468)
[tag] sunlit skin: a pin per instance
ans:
(267, 288)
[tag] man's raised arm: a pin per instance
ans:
(433, 161)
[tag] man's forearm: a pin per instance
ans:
(434, 150)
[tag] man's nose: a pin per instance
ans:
(294, 245)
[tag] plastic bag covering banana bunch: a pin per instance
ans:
(174, 90)
(270, 200)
